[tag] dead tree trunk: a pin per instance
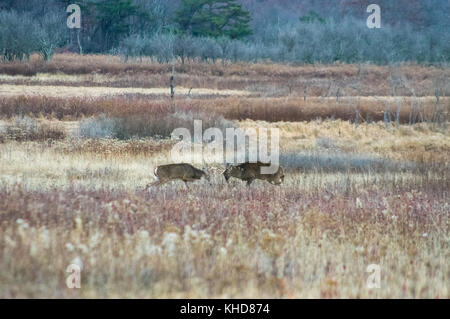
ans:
(172, 91)
(80, 48)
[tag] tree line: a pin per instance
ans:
(237, 30)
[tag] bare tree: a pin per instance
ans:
(50, 34)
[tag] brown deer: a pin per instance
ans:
(183, 171)
(250, 171)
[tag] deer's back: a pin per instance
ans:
(253, 170)
(177, 171)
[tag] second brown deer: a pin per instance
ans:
(251, 171)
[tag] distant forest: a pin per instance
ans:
(302, 31)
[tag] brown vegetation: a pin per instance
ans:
(28, 129)
(288, 242)
(109, 149)
(352, 195)
(315, 80)
(233, 108)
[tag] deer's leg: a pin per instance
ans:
(186, 180)
(249, 181)
(155, 183)
(151, 185)
(158, 182)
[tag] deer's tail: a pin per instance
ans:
(155, 176)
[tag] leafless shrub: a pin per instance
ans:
(147, 124)
(97, 127)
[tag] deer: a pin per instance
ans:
(251, 171)
(183, 171)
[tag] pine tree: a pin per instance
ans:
(214, 18)
(113, 19)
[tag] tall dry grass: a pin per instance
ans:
(419, 143)
(234, 108)
(317, 80)
(29, 129)
(226, 241)
(83, 202)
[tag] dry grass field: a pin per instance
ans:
(359, 189)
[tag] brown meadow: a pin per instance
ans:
(355, 193)
(265, 78)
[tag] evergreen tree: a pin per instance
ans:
(213, 18)
(113, 19)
